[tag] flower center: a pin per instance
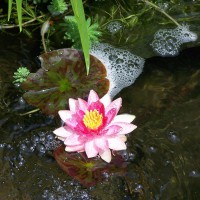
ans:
(92, 119)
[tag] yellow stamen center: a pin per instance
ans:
(92, 119)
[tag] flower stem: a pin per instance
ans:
(44, 29)
(29, 112)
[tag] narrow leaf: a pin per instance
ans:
(9, 8)
(19, 13)
(77, 6)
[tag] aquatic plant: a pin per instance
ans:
(94, 126)
(72, 32)
(21, 75)
(27, 16)
(63, 75)
(57, 7)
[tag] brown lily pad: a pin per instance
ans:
(62, 76)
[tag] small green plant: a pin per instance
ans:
(57, 7)
(21, 74)
(72, 32)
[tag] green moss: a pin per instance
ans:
(20, 75)
(57, 7)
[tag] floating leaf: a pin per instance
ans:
(88, 171)
(62, 76)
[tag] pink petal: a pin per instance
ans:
(73, 105)
(123, 138)
(110, 115)
(65, 114)
(106, 155)
(82, 105)
(124, 118)
(113, 130)
(116, 143)
(106, 100)
(116, 104)
(126, 127)
(93, 97)
(62, 132)
(72, 123)
(101, 144)
(97, 106)
(74, 148)
(90, 149)
(73, 140)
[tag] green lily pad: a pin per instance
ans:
(62, 76)
(88, 171)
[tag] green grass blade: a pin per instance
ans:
(19, 13)
(77, 6)
(9, 8)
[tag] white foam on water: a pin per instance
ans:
(114, 26)
(167, 42)
(122, 66)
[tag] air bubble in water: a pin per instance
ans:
(167, 41)
(194, 174)
(2, 145)
(173, 137)
(41, 148)
(23, 147)
(119, 73)
(35, 139)
(152, 149)
(50, 137)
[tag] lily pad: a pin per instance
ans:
(62, 76)
(88, 171)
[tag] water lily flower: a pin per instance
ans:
(94, 126)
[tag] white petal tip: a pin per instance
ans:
(106, 156)
(64, 115)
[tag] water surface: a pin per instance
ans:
(163, 152)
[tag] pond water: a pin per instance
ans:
(163, 152)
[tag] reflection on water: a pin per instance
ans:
(163, 153)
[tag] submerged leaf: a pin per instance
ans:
(88, 171)
(62, 76)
